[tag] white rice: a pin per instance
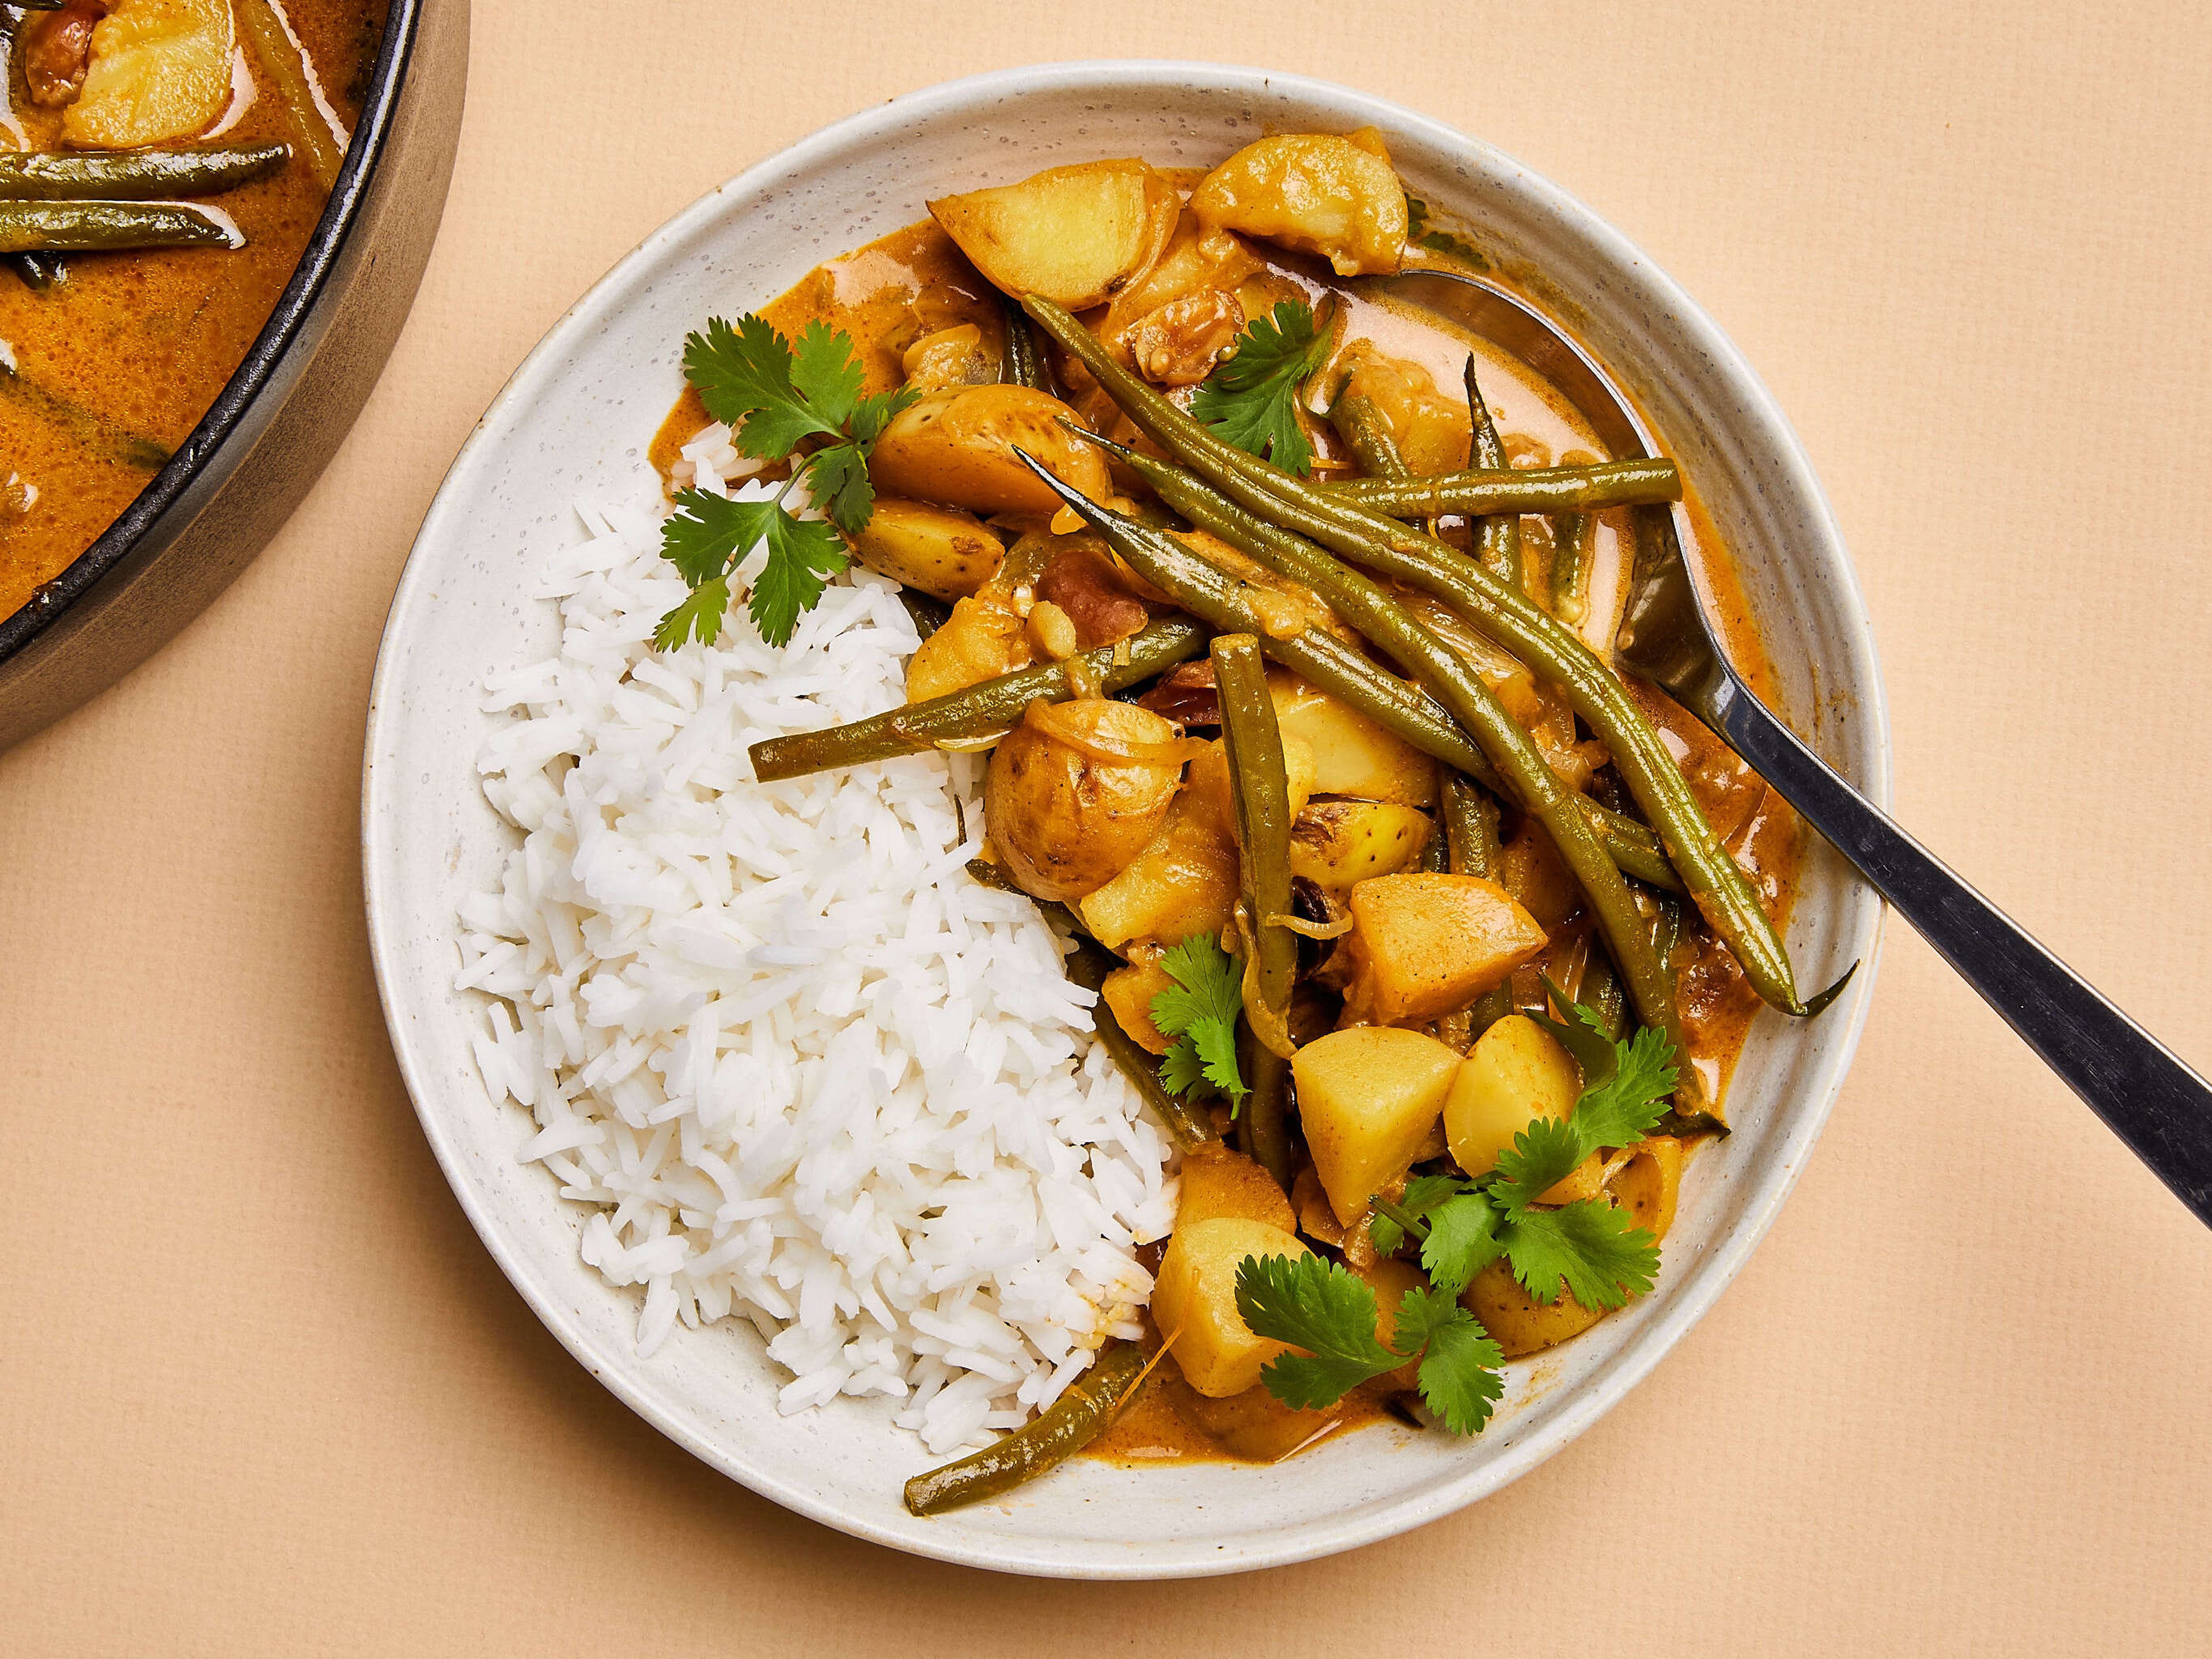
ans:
(802, 1069)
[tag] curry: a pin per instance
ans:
(1432, 936)
(163, 164)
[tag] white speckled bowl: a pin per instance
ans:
(611, 367)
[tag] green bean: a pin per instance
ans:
(135, 176)
(109, 226)
(1600, 994)
(1088, 967)
(1571, 540)
(322, 145)
(929, 613)
(1482, 490)
(1441, 671)
(39, 271)
(1499, 611)
(1024, 364)
(94, 433)
(1497, 542)
(1471, 826)
(1259, 791)
(978, 711)
(1072, 1422)
(1367, 435)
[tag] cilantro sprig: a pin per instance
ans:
(1587, 1249)
(1251, 398)
(1314, 1305)
(1199, 1012)
(777, 396)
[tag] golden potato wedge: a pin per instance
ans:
(983, 638)
(1517, 1070)
(1352, 756)
(1650, 1183)
(159, 70)
(938, 550)
(1425, 945)
(1217, 1182)
(956, 446)
(1075, 235)
(1521, 1324)
(1064, 819)
(1315, 192)
(1339, 843)
(1368, 1097)
(1194, 1302)
(1184, 883)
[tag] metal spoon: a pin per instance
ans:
(2156, 1105)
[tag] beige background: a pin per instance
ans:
(262, 1393)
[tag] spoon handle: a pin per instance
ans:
(2146, 1096)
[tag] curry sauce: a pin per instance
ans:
(116, 362)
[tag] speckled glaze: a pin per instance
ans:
(573, 424)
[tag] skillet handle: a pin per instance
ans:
(2146, 1096)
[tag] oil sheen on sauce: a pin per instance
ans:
(914, 281)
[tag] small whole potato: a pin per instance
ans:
(1066, 821)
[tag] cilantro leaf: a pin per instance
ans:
(1595, 1249)
(1314, 1305)
(1542, 1154)
(1622, 1110)
(1462, 1241)
(837, 478)
(802, 552)
(745, 377)
(1459, 1373)
(872, 415)
(1251, 398)
(707, 534)
(825, 372)
(1199, 1010)
(700, 613)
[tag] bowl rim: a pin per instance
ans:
(207, 448)
(1711, 1273)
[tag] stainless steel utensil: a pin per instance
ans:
(2156, 1105)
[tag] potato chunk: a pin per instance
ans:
(936, 549)
(1217, 1182)
(1368, 1098)
(1339, 843)
(1184, 883)
(1075, 235)
(1318, 194)
(1194, 1302)
(1191, 267)
(1521, 1324)
(1352, 756)
(984, 638)
(956, 446)
(160, 71)
(1425, 945)
(1517, 1070)
(1065, 818)
(1128, 993)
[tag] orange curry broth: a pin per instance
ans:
(117, 364)
(914, 281)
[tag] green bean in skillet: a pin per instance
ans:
(1024, 364)
(1481, 491)
(135, 176)
(1446, 676)
(978, 711)
(1723, 895)
(111, 226)
(1573, 543)
(1498, 539)
(1258, 792)
(1072, 1422)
